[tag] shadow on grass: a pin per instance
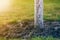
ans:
(51, 31)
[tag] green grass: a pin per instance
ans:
(52, 9)
(21, 9)
(45, 38)
(24, 9)
(35, 38)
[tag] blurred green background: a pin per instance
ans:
(52, 10)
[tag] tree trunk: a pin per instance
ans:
(39, 13)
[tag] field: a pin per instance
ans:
(52, 9)
(36, 38)
(24, 9)
(20, 10)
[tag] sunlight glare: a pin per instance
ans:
(5, 5)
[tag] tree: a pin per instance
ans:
(39, 13)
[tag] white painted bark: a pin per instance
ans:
(39, 13)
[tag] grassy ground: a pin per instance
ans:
(20, 10)
(52, 9)
(35, 38)
(45, 38)
(24, 9)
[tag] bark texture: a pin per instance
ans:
(39, 13)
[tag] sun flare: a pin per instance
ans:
(4, 5)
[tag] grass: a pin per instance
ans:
(20, 10)
(51, 9)
(24, 9)
(45, 38)
(35, 38)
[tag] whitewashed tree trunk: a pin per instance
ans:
(39, 13)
